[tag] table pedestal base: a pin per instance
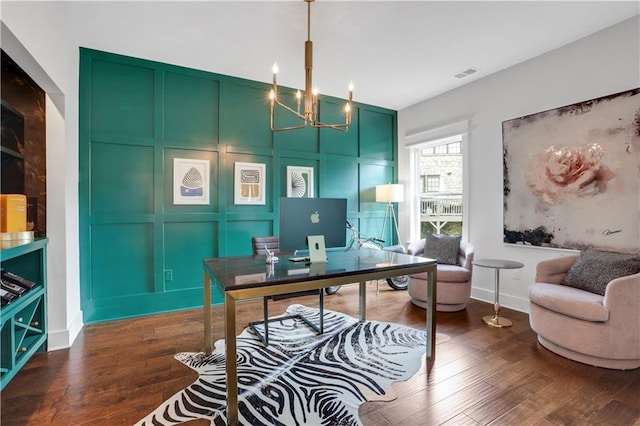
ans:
(496, 321)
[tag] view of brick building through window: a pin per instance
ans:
(441, 189)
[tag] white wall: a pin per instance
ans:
(604, 63)
(34, 35)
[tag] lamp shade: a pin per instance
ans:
(390, 193)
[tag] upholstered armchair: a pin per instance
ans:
(596, 329)
(453, 288)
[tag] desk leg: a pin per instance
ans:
(431, 317)
(495, 320)
(363, 300)
(208, 344)
(231, 355)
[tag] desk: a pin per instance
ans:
(247, 277)
(495, 320)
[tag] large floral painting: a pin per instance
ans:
(572, 175)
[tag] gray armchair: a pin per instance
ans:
(453, 288)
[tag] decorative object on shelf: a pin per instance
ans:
(310, 113)
(13, 239)
(249, 183)
(299, 182)
(190, 181)
(13, 213)
(561, 163)
(390, 193)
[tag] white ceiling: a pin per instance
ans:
(396, 53)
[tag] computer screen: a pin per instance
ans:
(300, 217)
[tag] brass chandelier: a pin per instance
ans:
(310, 114)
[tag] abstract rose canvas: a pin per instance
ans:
(572, 175)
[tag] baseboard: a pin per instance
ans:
(63, 339)
(512, 302)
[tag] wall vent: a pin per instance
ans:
(465, 73)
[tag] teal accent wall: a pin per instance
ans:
(140, 253)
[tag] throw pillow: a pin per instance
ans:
(594, 269)
(442, 248)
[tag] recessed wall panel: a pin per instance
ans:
(121, 260)
(122, 98)
(341, 181)
(239, 234)
(377, 135)
(185, 245)
(246, 116)
(190, 111)
(121, 179)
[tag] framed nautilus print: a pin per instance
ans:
(190, 181)
(299, 182)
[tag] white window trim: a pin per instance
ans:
(418, 139)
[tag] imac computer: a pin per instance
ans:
(301, 217)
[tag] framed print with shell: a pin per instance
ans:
(299, 182)
(572, 175)
(249, 183)
(190, 181)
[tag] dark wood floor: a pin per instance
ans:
(117, 372)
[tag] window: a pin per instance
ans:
(427, 151)
(433, 183)
(454, 148)
(439, 182)
(441, 149)
(448, 148)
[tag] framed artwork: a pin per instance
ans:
(249, 183)
(190, 181)
(299, 182)
(572, 175)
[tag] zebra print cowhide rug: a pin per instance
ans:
(301, 378)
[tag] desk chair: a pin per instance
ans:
(258, 245)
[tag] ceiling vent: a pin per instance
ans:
(465, 73)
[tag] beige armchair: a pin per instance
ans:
(586, 327)
(453, 288)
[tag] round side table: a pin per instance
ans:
(495, 320)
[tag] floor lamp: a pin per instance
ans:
(390, 193)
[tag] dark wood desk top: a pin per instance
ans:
(243, 272)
